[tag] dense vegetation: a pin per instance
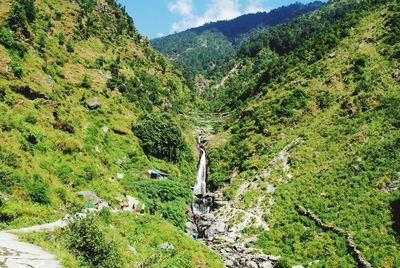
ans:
(76, 79)
(328, 77)
(199, 51)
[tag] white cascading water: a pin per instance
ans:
(200, 188)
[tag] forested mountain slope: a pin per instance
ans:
(313, 139)
(87, 104)
(198, 51)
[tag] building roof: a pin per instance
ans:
(156, 171)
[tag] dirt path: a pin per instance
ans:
(16, 254)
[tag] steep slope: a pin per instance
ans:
(313, 143)
(198, 51)
(77, 85)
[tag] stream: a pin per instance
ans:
(208, 224)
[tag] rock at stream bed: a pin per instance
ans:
(228, 263)
(252, 264)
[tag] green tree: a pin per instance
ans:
(161, 137)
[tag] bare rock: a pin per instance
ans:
(97, 149)
(94, 104)
(266, 265)
(252, 264)
(332, 55)
(273, 258)
(221, 227)
(229, 263)
(362, 44)
(105, 129)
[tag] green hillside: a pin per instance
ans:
(81, 96)
(330, 82)
(301, 133)
(198, 52)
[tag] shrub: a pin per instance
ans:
(31, 119)
(69, 46)
(85, 82)
(61, 39)
(85, 238)
(17, 67)
(8, 179)
(38, 191)
(6, 38)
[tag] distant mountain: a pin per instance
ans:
(199, 50)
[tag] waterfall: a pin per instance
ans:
(203, 203)
(200, 187)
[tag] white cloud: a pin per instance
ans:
(255, 6)
(160, 34)
(216, 10)
(182, 7)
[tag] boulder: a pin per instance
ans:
(221, 227)
(94, 104)
(251, 239)
(191, 225)
(166, 246)
(228, 263)
(120, 176)
(266, 265)
(208, 217)
(273, 257)
(252, 264)
(332, 55)
(91, 196)
(97, 149)
(105, 129)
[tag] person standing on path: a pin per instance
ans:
(143, 207)
(134, 208)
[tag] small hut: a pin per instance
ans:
(156, 174)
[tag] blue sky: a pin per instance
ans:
(156, 18)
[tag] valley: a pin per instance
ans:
(272, 145)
